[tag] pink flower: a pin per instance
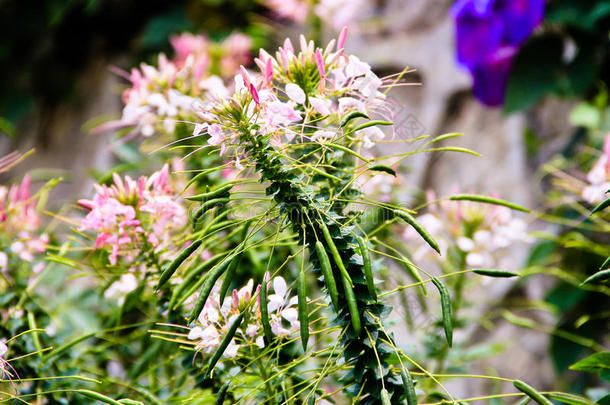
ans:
(129, 212)
(281, 114)
(295, 10)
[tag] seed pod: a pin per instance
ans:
(327, 271)
(335, 253)
(351, 116)
(97, 396)
(302, 306)
(495, 273)
(385, 397)
(371, 124)
(488, 200)
(531, 392)
(418, 228)
(222, 393)
(173, 266)
(208, 284)
(368, 271)
(604, 204)
(212, 194)
(228, 278)
(352, 305)
(127, 401)
(191, 276)
(407, 382)
(524, 401)
(206, 206)
(383, 168)
(265, 312)
(604, 265)
(597, 277)
(446, 309)
(224, 344)
(570, 399)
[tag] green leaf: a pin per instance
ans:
(596, 363)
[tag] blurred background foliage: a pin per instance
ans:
(54, 40)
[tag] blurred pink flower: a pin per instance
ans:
(129, 213)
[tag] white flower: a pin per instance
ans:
(123, 286)
(231, 350)
(322, 134)
(321, 105)
(3, 349)
(369, 135)
(295, 93)
(208, 338)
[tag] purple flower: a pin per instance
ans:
(488, 36)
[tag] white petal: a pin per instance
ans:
(279, 286)
(290, 314)
(295, 93)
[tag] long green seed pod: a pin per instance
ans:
(352, 305)
(302, 306)
(597, 277)
(488, 200)
(351, 116)
(222, 393)
(531, 392)
(173, 266)
(495, 273)
(327, 272)
(418, 228)
(383, 168)
(385, 397)
(335, 252)
(226, 282)
(368, 272)
(407, 381)
(265, 312)
(191, 276)
(446, 310)
(97, 396)
(601, 206)
(224, 344)
(228, 278)
(206, 206)
(127, 401)
(207, 286)
(570, 399)
(605, 264)
(370, 124)
(524, 401)
(211, 194)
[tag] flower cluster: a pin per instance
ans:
(20, 223)
(216, 318)
(598, 177)
(488, 36)
(130, 215)
(163, 95)
(477, 230)
(294, 90)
